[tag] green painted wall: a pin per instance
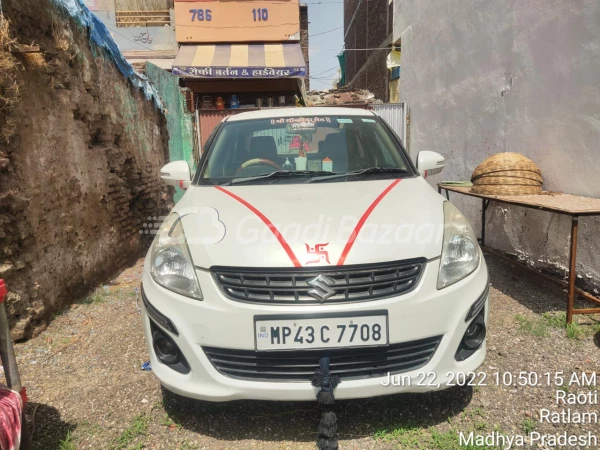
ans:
(180, 123)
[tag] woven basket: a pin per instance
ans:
(507, 174)
(523, 174)
(512, 189)
(508, 181)
(506, 161)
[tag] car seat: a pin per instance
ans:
(263, 147)
(335, 148)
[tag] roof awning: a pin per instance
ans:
(240, 61)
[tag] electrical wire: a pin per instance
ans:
(327, 2)
(351, 49)
(323, 76)
(328, 70)
(325, 32)
(363, 49)
(323, 83)
(331, 77)
(169, 55)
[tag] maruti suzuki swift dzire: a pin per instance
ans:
(308, 233)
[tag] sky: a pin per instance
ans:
(324, 15)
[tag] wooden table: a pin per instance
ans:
(565, 204)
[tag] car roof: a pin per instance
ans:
(274, 113)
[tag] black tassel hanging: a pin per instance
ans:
(326, 381)
(328, 425)
(322, 378)
(327, 444)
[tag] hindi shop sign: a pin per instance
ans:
(240, 72)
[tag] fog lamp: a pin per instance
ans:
(474, 335)
(473, 338)
(165, 348)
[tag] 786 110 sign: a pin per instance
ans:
(201, 15)
(260, 14)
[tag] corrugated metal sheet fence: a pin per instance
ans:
(210, 118)
(395, 115)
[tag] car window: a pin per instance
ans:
(305, 145)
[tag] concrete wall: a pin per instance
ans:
(482, 77)
(138, 39)
(368, 24)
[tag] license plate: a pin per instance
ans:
(321, 332)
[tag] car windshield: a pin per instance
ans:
(302, 149)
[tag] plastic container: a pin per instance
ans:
(327, 165)
(220, 103)
(314, 166)
(301, 163)
(234, 103)
(206, 102)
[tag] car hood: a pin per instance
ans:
(321, 224)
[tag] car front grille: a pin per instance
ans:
(290, 286)
(300, 365)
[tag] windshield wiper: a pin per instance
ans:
(355, 173)
(276, 174)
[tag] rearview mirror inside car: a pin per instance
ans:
(430, 163)
(176, 173)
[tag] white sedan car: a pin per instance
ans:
(308, 233)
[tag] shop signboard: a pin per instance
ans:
(239, 72)
(236, 21)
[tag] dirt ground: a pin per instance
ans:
(87, 390)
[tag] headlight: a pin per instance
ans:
(460, 251)
(170, 260)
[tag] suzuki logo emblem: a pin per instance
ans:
(322, 287)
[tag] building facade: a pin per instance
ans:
(144, 30)
(368, 38)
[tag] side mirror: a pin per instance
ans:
(176, 173)
(430, 163)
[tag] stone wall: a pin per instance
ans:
(82, 169)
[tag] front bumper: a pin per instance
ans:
(219, 322)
